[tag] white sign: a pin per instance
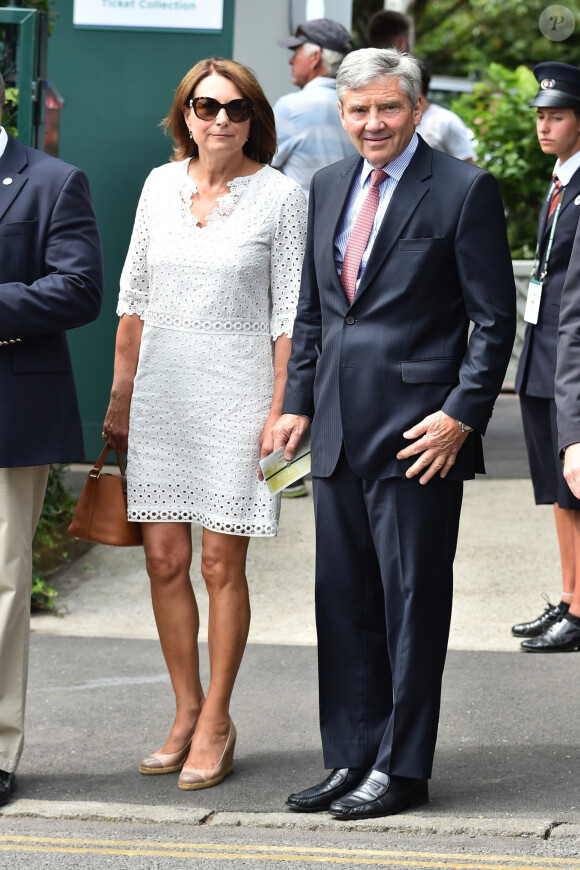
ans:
(155, 14)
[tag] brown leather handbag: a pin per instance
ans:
(101, 512)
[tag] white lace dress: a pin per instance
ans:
(213, 300)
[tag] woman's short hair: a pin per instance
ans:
(261, 144)
(360, 68)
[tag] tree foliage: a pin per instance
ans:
(9, 111)
(499, 114)
(463, 36)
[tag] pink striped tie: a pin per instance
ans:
(359, 236)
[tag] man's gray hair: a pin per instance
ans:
(2, 95)
(360, 68)
(330, 59)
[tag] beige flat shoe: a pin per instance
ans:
(191, 778)
(165, 762)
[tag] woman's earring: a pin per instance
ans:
(190, 135)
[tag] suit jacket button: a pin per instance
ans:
(350, 320)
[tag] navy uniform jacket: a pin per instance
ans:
(367, 372)
(51, 280)
(537, 365)
(568, 367)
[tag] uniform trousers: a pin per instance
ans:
(384, 586)
(21, 496)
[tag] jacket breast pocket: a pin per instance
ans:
(18, 252)
(18, 228)
(419, 244)
(439, 370)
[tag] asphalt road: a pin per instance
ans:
(505, 788)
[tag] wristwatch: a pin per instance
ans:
(464, 427)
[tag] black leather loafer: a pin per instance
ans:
(341, 781)
(6, 787)
(381, 795)
(551, 614)
(564, 636)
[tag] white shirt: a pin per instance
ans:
(445, 131)
(357, 196)
(566, 170)
(3, 140)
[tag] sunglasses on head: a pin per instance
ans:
(206, 109)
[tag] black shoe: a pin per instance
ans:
(564, 636)
(341, 781)
(6, 787)
(381, 795)
(551, 614)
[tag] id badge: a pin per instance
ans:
(533, 301)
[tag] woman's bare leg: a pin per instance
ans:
(168, 558)
(574, 602)
(223, 565)
(569, 546)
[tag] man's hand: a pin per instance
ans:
(439, 438)
(572, 468)
(288, 431)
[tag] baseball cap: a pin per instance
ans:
(322, 32)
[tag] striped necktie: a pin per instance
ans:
(360, 235)
(555, 196)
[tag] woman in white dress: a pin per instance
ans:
(207, 302)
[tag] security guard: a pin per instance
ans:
(558, 127)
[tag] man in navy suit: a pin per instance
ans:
(399, 397)
(51, 280)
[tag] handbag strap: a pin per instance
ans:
(98, 466)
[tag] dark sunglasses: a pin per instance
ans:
(206, 109)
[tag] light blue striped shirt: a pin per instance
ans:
(358, 195)
(309, 132)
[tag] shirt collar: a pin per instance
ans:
(321, 82)
(3, 140)
(397, 166)
(566, 170)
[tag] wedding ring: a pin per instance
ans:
(104, 437)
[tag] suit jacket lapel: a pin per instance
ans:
(408, 194)
(542, 220)
(12, 162)
(570, 193)
(333, 209)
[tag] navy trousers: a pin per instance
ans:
(384, 585)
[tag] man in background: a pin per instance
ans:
(310, 134)
(390, 29)
(51, 280)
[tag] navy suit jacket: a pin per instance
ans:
(51, 280)
(367, 372)
(537, 364)
(568, 357)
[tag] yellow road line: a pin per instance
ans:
(228, 852)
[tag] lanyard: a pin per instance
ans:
(551, 238)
